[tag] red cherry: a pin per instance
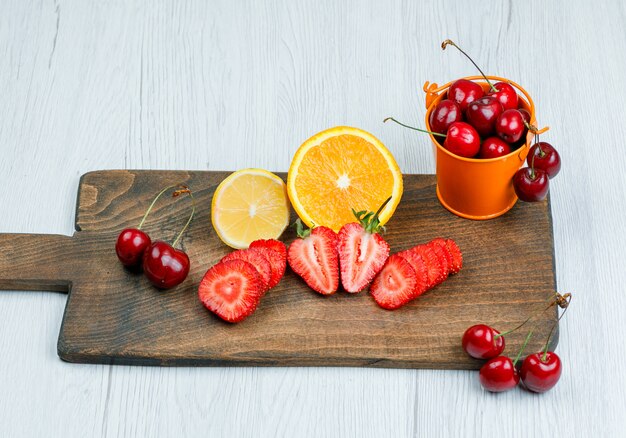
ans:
(494, 147)
(464, 92)
(505, 94)
(498, 375)
(529, 185)
(480, 342)
(445, 113)
(164, 265)
(510, 126)
(545, 158)
(130, 246)
(525, 114)
(540, 374)
(462, 139)
(483, 113)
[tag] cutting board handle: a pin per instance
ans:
(37, 262)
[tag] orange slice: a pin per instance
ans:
(248, 205)
(341, 169)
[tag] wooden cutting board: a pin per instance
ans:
(114, 316)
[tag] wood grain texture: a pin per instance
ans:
(216, 85)
(114, 316)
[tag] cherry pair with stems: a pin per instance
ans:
(539, 372)
(163, 264)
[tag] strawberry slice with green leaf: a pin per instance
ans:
(232, 290)
(362, 250)
(314, 258)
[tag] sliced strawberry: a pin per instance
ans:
(457, 256)
(278, 264)
(361, 256)
(274, 244)
(231, 289)
(421, 272)
(394, 286)
(314, 258)
(257, 260)
(434, 268)
(442, 256)
(442, 243)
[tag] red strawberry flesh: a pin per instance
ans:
(315, 260)
(434, 268)
(419, 266)
(457, 256)
(231, 289)
(442, 257)
(257, 260)
(274, 244)
(361, 256)
(394, 286)
(278, 263)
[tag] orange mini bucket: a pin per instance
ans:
(477, 188)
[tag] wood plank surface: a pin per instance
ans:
(215, 85)
(115, 316)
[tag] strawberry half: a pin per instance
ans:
(314, 258)
(419, 266)
(362, 251)
(395, 284)
(433, 266)
(457, 256)
(257, 260)
(231, 289)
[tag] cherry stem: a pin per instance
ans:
(452, 43)
(145, 216)
(411, 127)
(552, 301)
(186, 190)
(567, 298)
(532, 168)
(528, 336)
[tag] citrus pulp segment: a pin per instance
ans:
(341, 169)
(250, 204)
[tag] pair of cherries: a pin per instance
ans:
(539, 371)
(163, 264)
(532, 183)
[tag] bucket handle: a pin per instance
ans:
(524, 151)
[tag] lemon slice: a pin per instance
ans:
(250, 204)
(341, 169)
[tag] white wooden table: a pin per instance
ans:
(216, 85)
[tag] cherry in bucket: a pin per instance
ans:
(445, 113)
(163, 264)
(461, 139)
(501, 91)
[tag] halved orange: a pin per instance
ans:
(341, 169)
(248, 205)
